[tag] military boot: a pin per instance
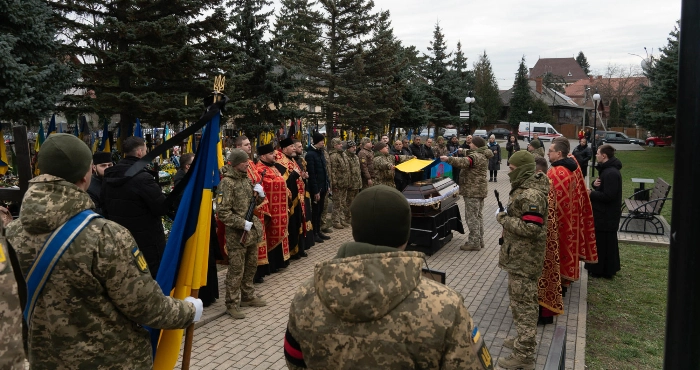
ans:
(467, 247)
(327, 230)
(345, 224)
(236, 313)
(255, 302)
(509, 343)
(513, 362)
(338, 226)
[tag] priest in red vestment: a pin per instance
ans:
(573, 212)
(291, 172)
(276, 193)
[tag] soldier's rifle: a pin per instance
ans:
(500, 208)
(251, 208)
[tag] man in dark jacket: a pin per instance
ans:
(418, 149)
(318, 182)
(606, 197)
(583, 154)
(136, 202)
(100, 162)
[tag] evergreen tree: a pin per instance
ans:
(541, 112)
(257, 91)
(412, 111)
(554, 82)
(297, 45)
(443, 106)
(486, 89)
(614, 118)
(624, 112)
(461, 81)
(34, 74)
(521, 101)
(655, 109)
(140, 58)
(583, 62)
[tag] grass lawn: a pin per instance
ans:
(649, 163)
(627, 315)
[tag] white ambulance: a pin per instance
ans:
(545, 131)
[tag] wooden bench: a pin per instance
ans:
(647, 210)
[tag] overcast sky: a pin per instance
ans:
(606, 31)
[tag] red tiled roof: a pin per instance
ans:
(564, 67)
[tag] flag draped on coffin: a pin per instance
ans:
(184, 263)
(4, 163)
(105, 146)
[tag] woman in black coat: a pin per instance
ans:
(512, 146)
(583, 154)
(495, 161)
(606, 197)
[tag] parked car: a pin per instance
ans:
(501, 133)
(424, 132)
(449, 132)
(614, 137)
(481, 133)
(658, 141)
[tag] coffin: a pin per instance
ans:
(432, 196)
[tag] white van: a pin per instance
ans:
(545, 131)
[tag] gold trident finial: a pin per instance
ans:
(219, 82)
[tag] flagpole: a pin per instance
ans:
(219, 82)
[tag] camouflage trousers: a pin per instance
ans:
(339, 205)
(242, 265)
(325, 224)
(524, 307)
(352, 193)
(473, 214)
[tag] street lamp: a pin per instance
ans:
(596, 99)
(469, 100)
(529, 120)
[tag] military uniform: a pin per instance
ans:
(355, 183)
(522, 256)
(340, 182)
(11, 350)
(325, 224)
(384, 170)
(473, 187)
(233, 198)
(329, 329)
(366, 158)
(90, 311)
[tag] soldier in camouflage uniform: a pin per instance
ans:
(364, 308)
(93, 306)
(340, 182)
(473, 187)
(522, 255)
(325, 223)
(384, 164)
(11, 350)
(233, 198)
(355, 183)
(366, 157)
(535, 147)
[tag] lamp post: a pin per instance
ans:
(529, 121)
(469, 100)
(596, 99)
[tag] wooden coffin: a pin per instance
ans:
(430, 197)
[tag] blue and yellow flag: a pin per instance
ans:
(137, 130)
(52, 126)
(4, 163)
(184, 263)
(39, 138)
(105, 146)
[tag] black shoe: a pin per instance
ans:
(323, 236)
(317, 239)
(302, 254)
(545, 320)
(258, 280)
(495, 179)
(491, 179)
(296, 256)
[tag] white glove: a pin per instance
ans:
(248, 226)
(259, 189)
(198, 305)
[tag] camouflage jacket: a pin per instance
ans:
(525, 229)
(383, 170)
(439, 151)
(233, 198)
(355, 171)
(539, 152)
(329, 168)
(340, 177)
(365, 311)
(90, 312)
(11, 347)
(472, 177)
(366, 158)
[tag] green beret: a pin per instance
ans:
(521, 158)
(381, 216)
(536, 144)
(236, 157)
(65, 156)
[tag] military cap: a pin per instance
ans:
(236, 157)
(381, 216)
(379, 146)
(286, 142)
(65, 156)
(350, 144)
(478, 141)
(335, 141)
(101, 157)
(317, 138)
(265, 149)
(535, 144)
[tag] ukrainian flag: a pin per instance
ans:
(137, 130)
(39, 138)
(184, 263)
(104, 144)
(52, 126)
(4, 163)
